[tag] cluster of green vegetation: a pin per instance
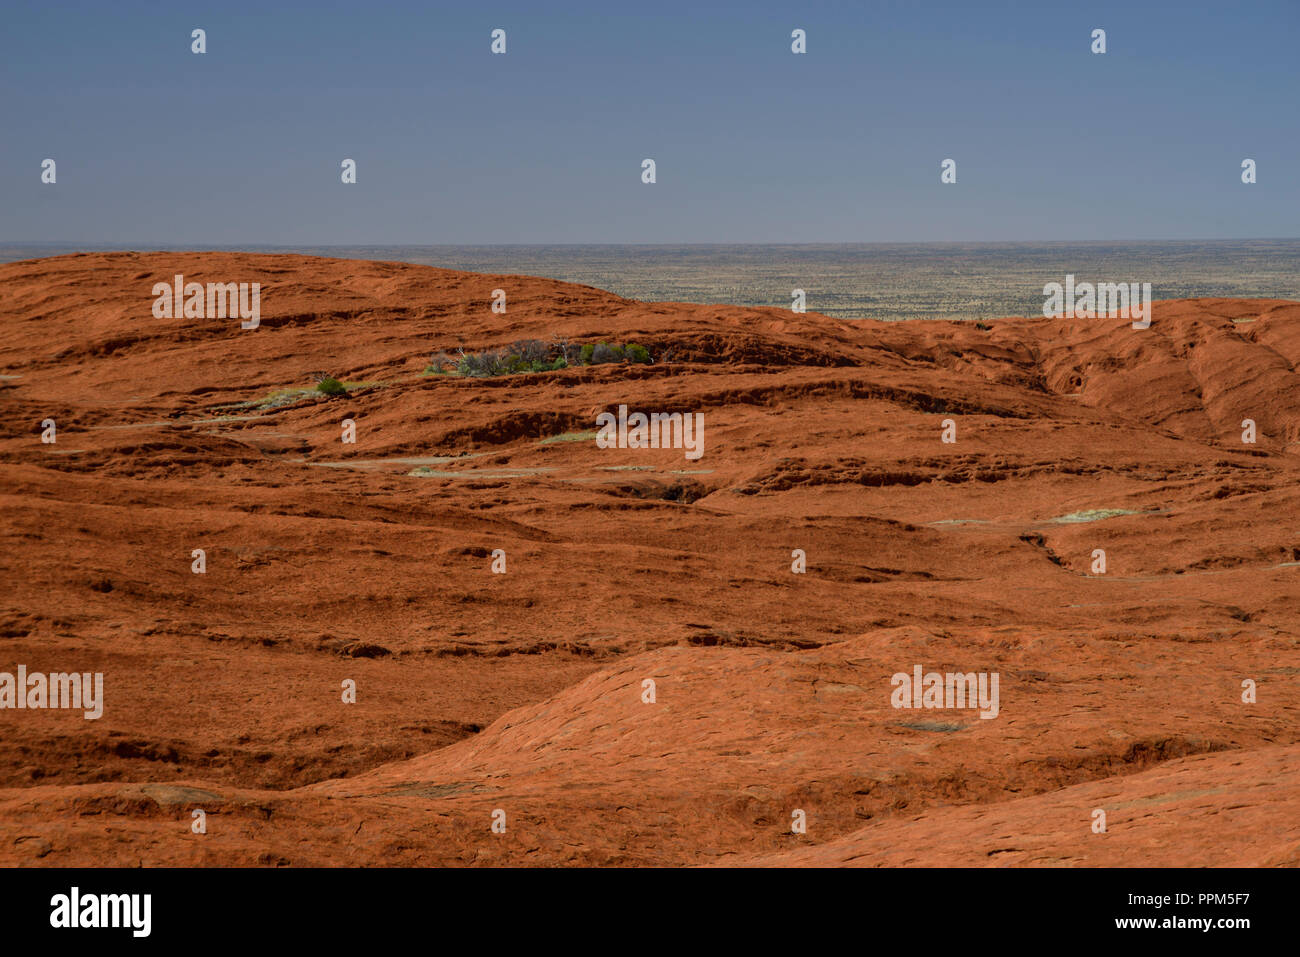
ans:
(600, 352)
(533, 355)
(331, 386)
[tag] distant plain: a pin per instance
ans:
(851, 281)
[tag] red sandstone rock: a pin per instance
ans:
(523, 691)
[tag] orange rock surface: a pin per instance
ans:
(523, 692)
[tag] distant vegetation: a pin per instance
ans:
(534, 355)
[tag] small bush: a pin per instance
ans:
(481, 364)
(331, 387)
(526, 355)
(603, 353)
(531, 351)
(440, 363)
(636, 353)
(567, 352)
(587, 351)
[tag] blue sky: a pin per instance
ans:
(156, 145)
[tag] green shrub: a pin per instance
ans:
(479, 364)
(526, 355)
(541, 365)
(533, 355)
(331, 387)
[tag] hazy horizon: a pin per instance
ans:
(182, 245)
(845, 280)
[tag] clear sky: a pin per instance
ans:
(243, 144)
